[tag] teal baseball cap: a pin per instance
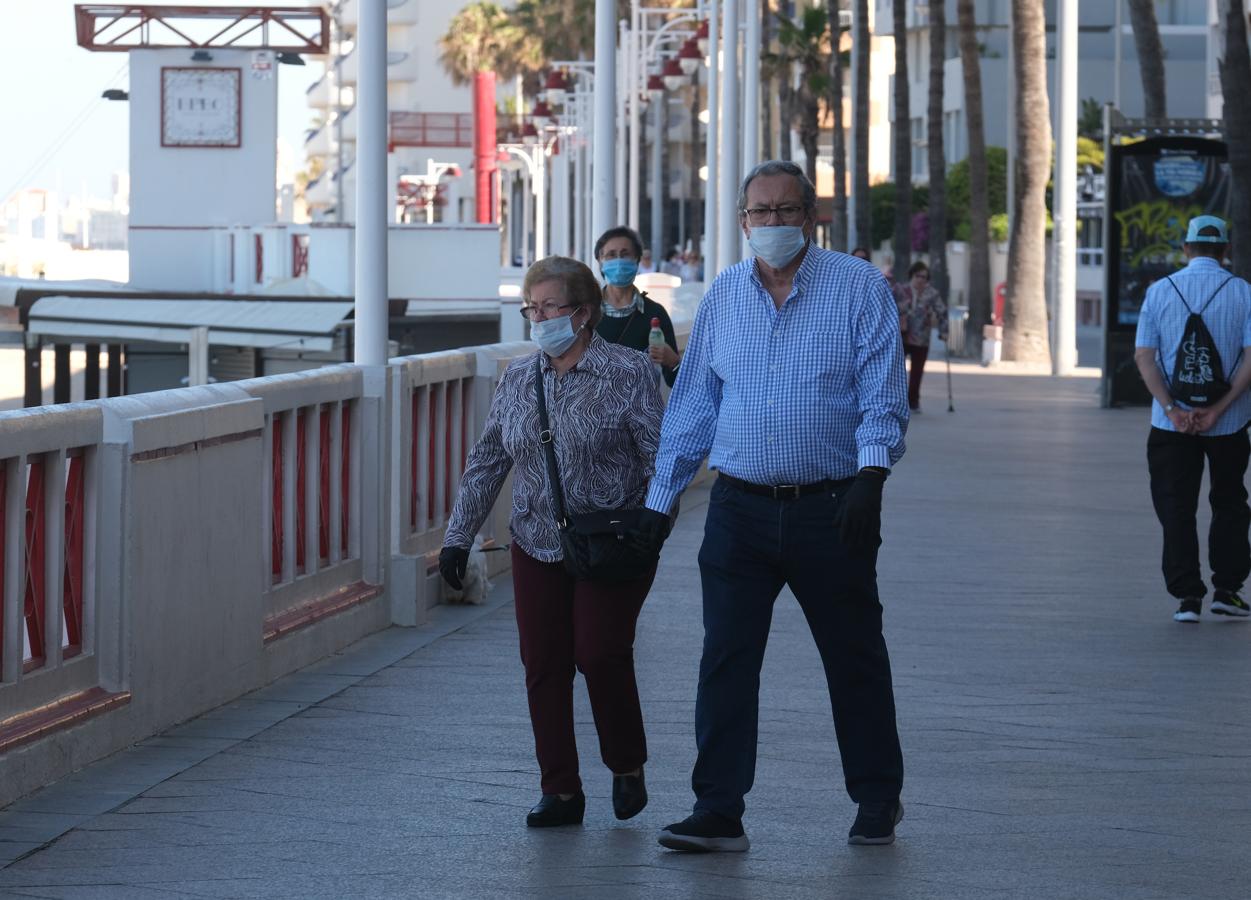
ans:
(1198, 223)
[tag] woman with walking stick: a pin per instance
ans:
(920, 310)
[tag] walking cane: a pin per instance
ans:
(951, 406)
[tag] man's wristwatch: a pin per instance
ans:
(1169, 407)
(875, 470)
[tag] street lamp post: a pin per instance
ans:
(710, 150)
(728, 241)
(1064, 241)
(605, 103)
(371, 186)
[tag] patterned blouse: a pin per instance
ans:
(605, 414)
(920, 314)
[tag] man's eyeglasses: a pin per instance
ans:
(545, 310)
(789, 214)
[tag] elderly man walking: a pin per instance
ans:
(1194, 331)
(793, 386)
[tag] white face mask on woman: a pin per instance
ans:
(555, 336)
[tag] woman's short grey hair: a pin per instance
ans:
(581, 286)
(779, 167)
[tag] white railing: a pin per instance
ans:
(50, 481)
(164, 553)
(311, 525)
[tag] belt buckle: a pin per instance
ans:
(780, 492)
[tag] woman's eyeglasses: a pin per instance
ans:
(542, 311)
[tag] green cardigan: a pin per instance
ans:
(633, 331)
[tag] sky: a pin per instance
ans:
(56, 132)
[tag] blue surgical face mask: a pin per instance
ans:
(554, 336)
(777, 245)
(619, 272)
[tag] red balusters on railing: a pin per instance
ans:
(301, 491)
(345, 477)
(275, 519)
(430, 466)
(4, 518)
(323, 481)
(36, 547)
(72, 588)
(415, 418)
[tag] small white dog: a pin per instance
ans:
(477, 584)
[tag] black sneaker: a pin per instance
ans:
(551, 811)
(705, 832)
(1228, 603)
(875, 823)
(1190, 609)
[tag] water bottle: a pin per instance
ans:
(656, 338)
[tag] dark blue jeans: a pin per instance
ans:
(753, 546)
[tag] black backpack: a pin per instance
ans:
(1198, 375)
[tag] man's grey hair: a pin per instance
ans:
(779, 167)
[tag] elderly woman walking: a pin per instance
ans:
(603, 408)
(920, 310)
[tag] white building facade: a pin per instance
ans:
(431, 119)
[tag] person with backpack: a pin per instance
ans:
(1194, 332)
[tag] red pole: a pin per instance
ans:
(484, 161)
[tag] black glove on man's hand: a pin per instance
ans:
(452, 564)
(652, 530)
(859, 516)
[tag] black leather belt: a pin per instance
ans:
(783, 491)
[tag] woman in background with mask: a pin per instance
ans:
(604, 410)
(628, 312)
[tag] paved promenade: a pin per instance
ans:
(1063, 737)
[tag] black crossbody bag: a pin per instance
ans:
(596, 544)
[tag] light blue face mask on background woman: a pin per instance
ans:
(619, 272)
(554, 336)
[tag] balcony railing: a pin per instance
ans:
(423, 129)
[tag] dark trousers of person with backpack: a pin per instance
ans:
(1175, 461)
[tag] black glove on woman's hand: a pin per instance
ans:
(652, 530)
(859, 515)
(452, 564)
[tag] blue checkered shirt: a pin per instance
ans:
(1227, 317)
(811, 391)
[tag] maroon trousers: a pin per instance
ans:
(588, 626)
(916, 367)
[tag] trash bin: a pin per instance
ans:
(957, 316)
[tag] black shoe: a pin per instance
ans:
(552, 811)
(705, 832)
(629, 795)
(875, 823)
(1228, 603)
(1189, 610)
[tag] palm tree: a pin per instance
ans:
(979, 199)
(802, 46)
(937, 155)
(1025, 311)
(862, 44)
(901, 132)
(483, 37)
(838, 219)
(1236, 83)
(1150, 56)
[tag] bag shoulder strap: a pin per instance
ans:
(548, 440)
(1170, 280)
(1220, 288)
